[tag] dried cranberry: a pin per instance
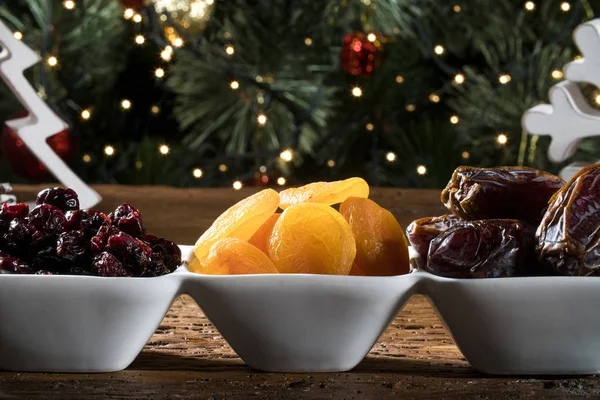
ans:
(105, 264)
(100, 240)
(47, 219)
(89, 221)
(16, 238)
(133, 253)
(72, 246)
(79, 270)
(168, 251)
(14, 265)
(44, 272)
(128, 219)
(47, 259)
(155, 267)
(9, 212)
(64, 199)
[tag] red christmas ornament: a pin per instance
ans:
(360, 56)
(25, 163)
(132, 3)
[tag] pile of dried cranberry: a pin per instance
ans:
(56, 237)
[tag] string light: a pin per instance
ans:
(391, 157)
(109, 150)
(263, 169)
(159, 73)
(371, 37)
(140, 39)
(438, 49)
(597, 99)
(421, 170)
(308, 41)
(223, 168)
(411, 107)
(465, 154)
(262, 119)
(529, 6)
(18, 35)
(177, 42)
(155, 109)
(504, 79)
(459, 79)
(139, 164)
(125, 104)
(87, 158)
(164, 149)
(137, 18)
(237, 185)
(281, 181)
(502, 139)
(557, 74)
(86, 114)
(330, 163)
(370, 126)
(52, 61)
(434, 98)
(356, 91)
(197, 172)
(128, 13)
(454, 119)
(69, 4)
(399, 79)
(565, 6)
(286, 155)
(234, 85)
(577, 57)
(456, 8)
(167, 53)
(230, 50)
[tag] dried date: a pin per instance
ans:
(422, 231)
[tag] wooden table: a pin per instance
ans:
(187, 358)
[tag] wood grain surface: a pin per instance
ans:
(187, 359)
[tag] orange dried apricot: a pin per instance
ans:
(194, 265)
(232, 256)
(240, 221)
(324, 192)
(260, 238)
(381, 246)
(312, 239)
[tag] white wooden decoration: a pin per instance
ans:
(570, 118)
(42, 122)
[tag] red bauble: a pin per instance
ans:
(359, 55)
(132, 3)
(22, 160)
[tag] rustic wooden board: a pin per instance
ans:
(187, 358)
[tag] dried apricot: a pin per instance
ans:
(381, 247)
(194, 265)
(240, 221)
(324, 192)
(232, 256)
(312, 239)
(260, 238)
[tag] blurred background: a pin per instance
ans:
(274, 92)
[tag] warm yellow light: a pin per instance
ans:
(456, 8)
(262, 119)
(237, 185)
(459, 78)
(125, 104)
(356, 91)
(411, 107)
(209, 2)
(465, 154)
(109, 150)
(154, 109)
(86, 114)
(128, 13)
(137, 18)
(330, 163)
(399, 79)
(529, 6)
(87, 158)
(371, 37)
(439, 50)
(177, 42)
(504, 79)
(139, 164)
(565, 6)
(434, 98)
(454, 119)
(502, 139)
(167, 53)
(69, 4)
(308, 41)
(18, 35)
(578, 57)
(223, 168)
(52, 61)
(164, 149)
(557, 74)
(370, 126)
(230, 50)
(197, 172)
(281, 181)
(421, 170)
(597, 98)
(391, 157)
(140, 39)
(286, 155)
(234, 85)
(159, 72)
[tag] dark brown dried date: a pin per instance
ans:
(568, 238)
(504, 192)
(422, 231)
(490, 248)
